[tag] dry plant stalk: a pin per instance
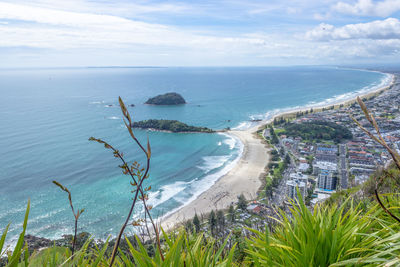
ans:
(378, 138)
(76, 215)
(138, 176)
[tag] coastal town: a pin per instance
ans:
(326, 163)
(314, 152)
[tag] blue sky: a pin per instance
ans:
(46, 33)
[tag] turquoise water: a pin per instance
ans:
(47, 115)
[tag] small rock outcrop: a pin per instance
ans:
(166, 99)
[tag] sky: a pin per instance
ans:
(67, 33)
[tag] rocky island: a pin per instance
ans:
(166, 99)
(170, 126)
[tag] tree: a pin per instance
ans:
(271, 131)
(213, 222)
(275, 157)
(241, 244)
(274, 138)
(242, 203)
(282, 151)
(220, 220)
(231, 214)
(287, 159)
(196, 222)
(189, 226)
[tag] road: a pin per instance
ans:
(343, 167)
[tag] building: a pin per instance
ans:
(299, 176)
(291, 188)
(324, 165)
(326, 180)
(255, 208)
(303, 167)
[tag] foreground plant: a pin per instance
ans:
(138, 175)
(393, 153)
(20, 248)
(76, 215)
(184, 250)
(306, 238)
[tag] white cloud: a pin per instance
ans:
(379, 29)
(41, 34)
(318, 16)
(57, 29)
(124, 8)
(369, 8)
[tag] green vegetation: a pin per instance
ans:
(183, 249)
(242, 203)
(318, 130)
(213, 222)
(76, 214)
(170, 125)
(275, 176)
(310, 159)
(347, 235)
(231, 214)
(166, 99)
(196, 223)
(274, 138)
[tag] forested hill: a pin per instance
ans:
(170, 125)
(317, 130)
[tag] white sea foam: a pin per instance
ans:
(257, 116)
(229, 140)
(243, 126)
(166, 192)
(213, 162)
(198, 186)
(45, 215)
(96, 102)
(113, 118)
(385, 81)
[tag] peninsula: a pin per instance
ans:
(170, 126)
(166, 99)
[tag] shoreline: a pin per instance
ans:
(251, 165)
(317, 107)
(224, 191)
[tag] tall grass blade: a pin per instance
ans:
(13, 262)
(3, 239)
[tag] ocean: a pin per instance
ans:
(47, 116)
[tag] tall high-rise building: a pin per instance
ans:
(326, 180)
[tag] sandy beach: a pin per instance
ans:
(344, 102)
(245, 176)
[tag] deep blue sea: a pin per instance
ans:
(47, 116)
